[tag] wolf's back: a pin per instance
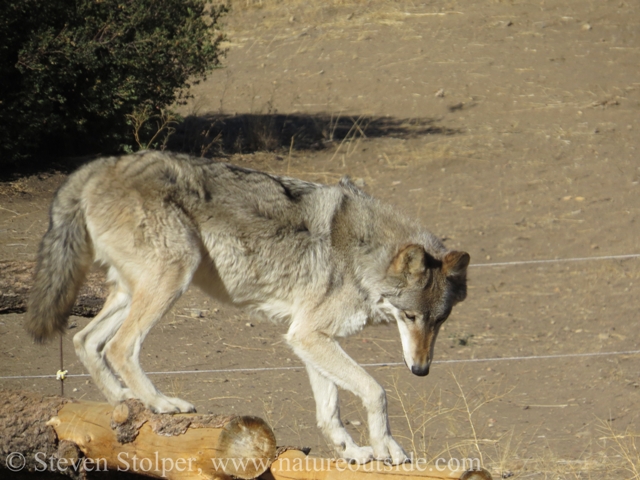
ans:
(64, 258)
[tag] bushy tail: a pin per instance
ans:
(64, 258)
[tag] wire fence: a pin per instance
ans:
(394, 364)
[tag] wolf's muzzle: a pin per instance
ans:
(420, 371)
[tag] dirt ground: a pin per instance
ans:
(510, 129)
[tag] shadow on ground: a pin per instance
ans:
(219, 135)
(247, 133)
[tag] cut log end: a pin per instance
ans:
(251, 443)
(476, 475)
(120, 414)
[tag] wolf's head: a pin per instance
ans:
(425, 290)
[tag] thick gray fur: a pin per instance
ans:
(326, 259)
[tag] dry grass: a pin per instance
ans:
(151, 130)
(624, 447)
(334, 16)
(429, 416)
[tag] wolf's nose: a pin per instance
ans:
(420, 371)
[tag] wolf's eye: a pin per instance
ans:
(410, 316)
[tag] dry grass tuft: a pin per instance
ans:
(428, 416)
(624, 447)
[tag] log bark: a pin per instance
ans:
(16, 279)
(74, 438)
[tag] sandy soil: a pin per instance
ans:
(508, 128)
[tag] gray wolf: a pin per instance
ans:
(327, 260)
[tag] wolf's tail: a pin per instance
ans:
(64, 257)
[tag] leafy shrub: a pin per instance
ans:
(74, 71)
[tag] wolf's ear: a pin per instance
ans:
(455, 263)
(409, 261)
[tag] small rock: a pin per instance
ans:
(586, 27)
(248, 324)
(440, 93)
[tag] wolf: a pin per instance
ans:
(326, 259)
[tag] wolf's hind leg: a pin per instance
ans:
(325, 393)
(154, 292)
(89, 344)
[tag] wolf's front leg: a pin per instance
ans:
(325, 356)
(325, 393)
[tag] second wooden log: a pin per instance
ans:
(295, 465)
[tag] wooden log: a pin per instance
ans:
(16, 279)
(295, 465)
(70, 437)
(54, 434)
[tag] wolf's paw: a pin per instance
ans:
(389, 451)
(182, 405)
(162, 404)
(356, 454)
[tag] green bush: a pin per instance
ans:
(74, 71)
